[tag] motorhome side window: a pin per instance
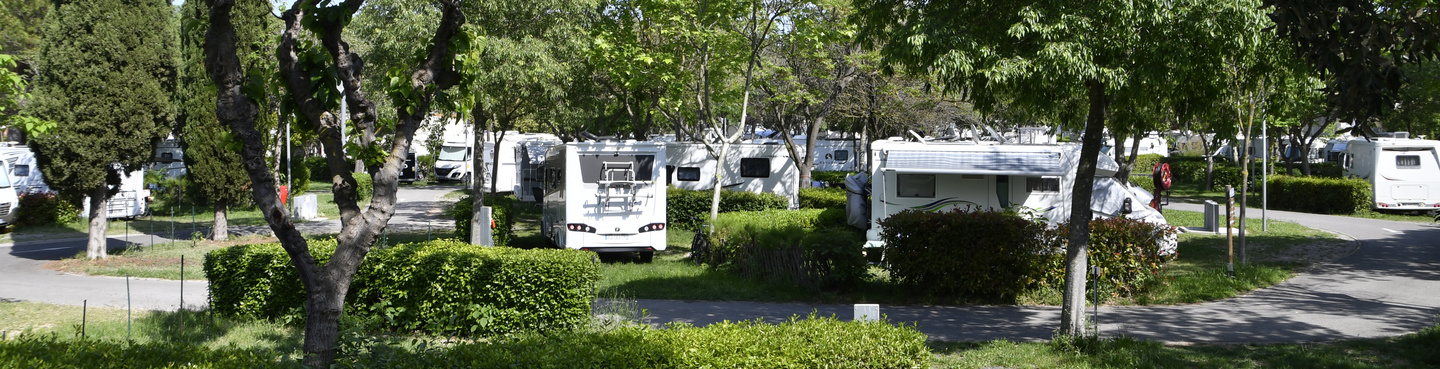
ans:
(22, 170)
(616, 167)
(842, 155)
(1042, 184)
(1407, 161)
(755, 167)
(915, 185)
(687, 174)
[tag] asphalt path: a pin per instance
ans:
(1389, 286)
(24, 278)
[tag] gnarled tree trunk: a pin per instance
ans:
(1072, 315)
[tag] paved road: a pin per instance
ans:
(1389, 286)
(23, 276)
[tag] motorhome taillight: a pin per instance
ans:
(652, 227)
(580, 227)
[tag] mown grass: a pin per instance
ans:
(101, 323)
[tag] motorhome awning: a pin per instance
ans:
(1038, 163)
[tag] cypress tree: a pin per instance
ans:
(107, 73)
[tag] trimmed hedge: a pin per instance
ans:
(822, 198)
(318, 168)
(994, 254)
(502, 211)
(830, 178)
(439, 287)
(803, 247)
(45, 208)
(1320, 195)
(1145, 164)
(299, 175)
(813, 342)
(686, 209)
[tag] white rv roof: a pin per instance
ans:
(986, 158)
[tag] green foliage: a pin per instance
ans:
(803, 247)
(830, 178)
(1145, 182)
(1320, 195)
(299, 175)
(1145, 164)
(49, 351)
(1187, 169)
(502, 211)
(822, 198)
(1326, 170)
(106, 78)
(983, 254)
(318, 168)
(1126, 251)
(439, 287)
(45, 209)
(365, 187)
(685, 209)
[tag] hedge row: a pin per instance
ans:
(830, 178)
(815, 342)
(439, 287)
(1320, 195)
(45, 208)
(994, 254)
(807, 247)
(686, 208)
(502, 211)
(822, 198)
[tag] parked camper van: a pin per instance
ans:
(605, 196)
(9, 201)
(758, 168)
(1403, 172)
(132, 200)
(940, 176)
(529, 164)
(24, 172)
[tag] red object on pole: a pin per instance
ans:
(284, 195)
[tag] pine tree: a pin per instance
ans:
(106, 78)
(211, 151)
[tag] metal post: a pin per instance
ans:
(182, 285)
(127, 306)
(84, 312)
(1264, 174)
(1229, 226)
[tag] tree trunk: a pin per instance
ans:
(479, 117)
(99, 221)
(221, 230)
(323, 304)
(1072, 315)
(719, 176)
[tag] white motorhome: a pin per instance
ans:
(169, 158)
(940, 176)
(605, 196)
(447, 168)
(832, 154)
(24, 172)
(529, 161)
(758, 168)
(132, 200)
(1403, 172)
(1150, 144)
(9, 201)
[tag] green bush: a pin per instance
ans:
(49, 351)
(440, 287)
(982, 254)
(796, 246)
(319, 170)
(364, 186)
(45, 208)
(299, 175)
(1320, 195)
(685, 208)
(822, 198)
(1145, 164)
(1187, 169)
(1145, 182)
(1324, 170)
(1127, 252)
(830, 178)
(502, 211)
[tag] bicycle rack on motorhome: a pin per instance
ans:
(940, 176)
(605, 196)
(1404, 173)
(758, 168)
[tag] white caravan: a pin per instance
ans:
(605, 196)
(24, 172)
(9, 201)
(132, 200)
(832, 154)
(940, 176)
(529, 161)
(1150, 144)
(1403, 172)
(758, 168)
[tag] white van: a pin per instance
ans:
(9, 201)
(605, 196)
(1404, 173)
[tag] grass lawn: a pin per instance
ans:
(146, 326)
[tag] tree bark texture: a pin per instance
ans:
(221, 230)
(325, 285)
(99, 221)
(1072, 315)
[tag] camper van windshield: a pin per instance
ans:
(4, 180)
(614, 167)
(452, 153)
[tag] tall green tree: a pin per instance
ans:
(21, 22)
(211, 151)
(107, 75)
(314, 59)
(1044, 54)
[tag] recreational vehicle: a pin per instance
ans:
(940, 176)
(605, 196)
(1403, 172)
(758, 168)
(24, 172)
(504, 177)
(832, 154)
(132, 200)
(9, 201)
(529, 160)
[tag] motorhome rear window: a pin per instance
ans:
(616, 167)
(1042, 184)
(915, 185)
(22, 170)
(1407, 161)
(755, 167)
(687, 174)
(453, 153)
(842, 155)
